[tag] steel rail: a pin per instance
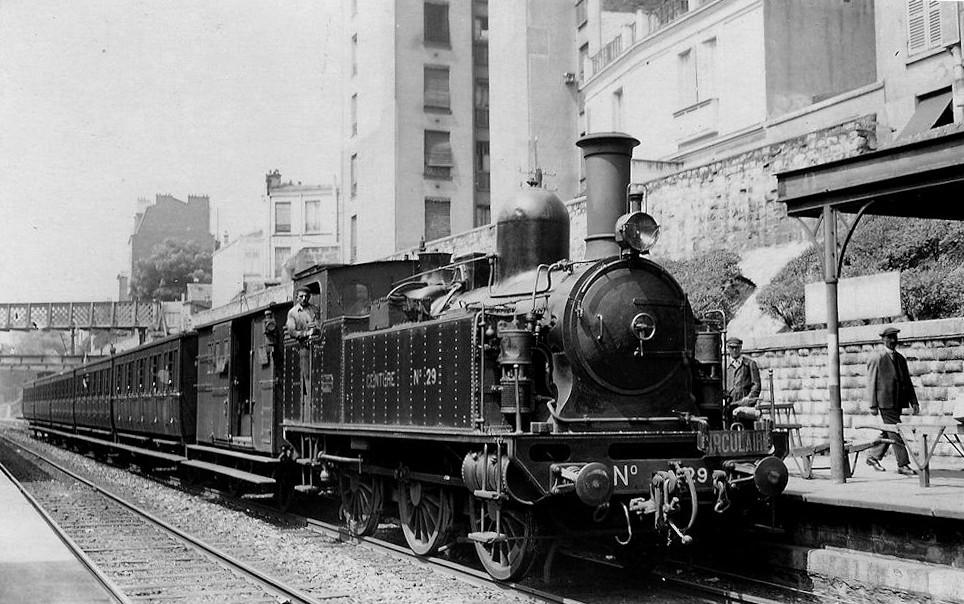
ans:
(464, 573)
(284, 592)
(789, 589)
(115, 592)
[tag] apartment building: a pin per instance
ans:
(415, 145)
(701, 79)
(535, 97)
(303, 226)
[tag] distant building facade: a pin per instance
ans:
(302, 222)
(415, 144)
(238, 266)
(169, 218)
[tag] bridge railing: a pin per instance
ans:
(24, 316)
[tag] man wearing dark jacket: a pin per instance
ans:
(889, 390)
(742, 383)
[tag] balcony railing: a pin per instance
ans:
(661, 15)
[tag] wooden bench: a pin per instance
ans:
(804, 456)
(921, 440)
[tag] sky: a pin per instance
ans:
(103, 102)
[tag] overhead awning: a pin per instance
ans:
(922, 177)
(928, 112)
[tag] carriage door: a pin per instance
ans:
(260, 387)
(221, 381)
(241, 400)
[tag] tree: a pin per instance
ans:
(170, 267)
(712, 281)
(929, 254)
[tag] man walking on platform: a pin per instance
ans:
(889, 389)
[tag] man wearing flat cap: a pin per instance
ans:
(889, 390)
(742, 382)
(302, 323)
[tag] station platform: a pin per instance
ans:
(879, 529)
(886, 491)
(35, 565)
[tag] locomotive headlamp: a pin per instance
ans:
(637, 230)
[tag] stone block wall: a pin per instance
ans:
(935, 358)
(730, 203)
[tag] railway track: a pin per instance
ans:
(661, 587)
(147, 559)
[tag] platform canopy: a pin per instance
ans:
(921, 176)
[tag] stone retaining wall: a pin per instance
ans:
(935, 358)
(730, 203)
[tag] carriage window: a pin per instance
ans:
(153, 380)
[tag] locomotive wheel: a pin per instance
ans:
(361, 503)
(510, 558)
(426, 514)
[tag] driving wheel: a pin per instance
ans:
(509, 546)
(425, 510)
(361, 502)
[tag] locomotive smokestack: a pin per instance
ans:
(608, 156)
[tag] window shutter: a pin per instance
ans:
(441, 155)
(933, 23)
(916, 27)
(437, 87)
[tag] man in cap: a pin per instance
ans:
(742, 383)
(889, 390)
(302, 323)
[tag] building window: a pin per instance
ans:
(281, 255)
(618, 109)
(706, 70)
(353, 257)
(480, 54)
(483, 214)
(482, 156)
(437, 23)
(354, 114)
(438, 154)
(923, 25)
(583, 61)
(313, 216)
(282, 217)
(480, 27)
(354, 55)
(437, 87)
(697, 67)
(582, 15)
(353, 174)
(438, 223)
(481, 103)
(687, 79)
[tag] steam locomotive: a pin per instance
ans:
(511, 400)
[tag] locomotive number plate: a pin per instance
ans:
(733, 443)
(637, 476)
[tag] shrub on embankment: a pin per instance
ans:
(929, 254)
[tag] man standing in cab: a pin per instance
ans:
(302, 323)
(889, 390)
(742, 383)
